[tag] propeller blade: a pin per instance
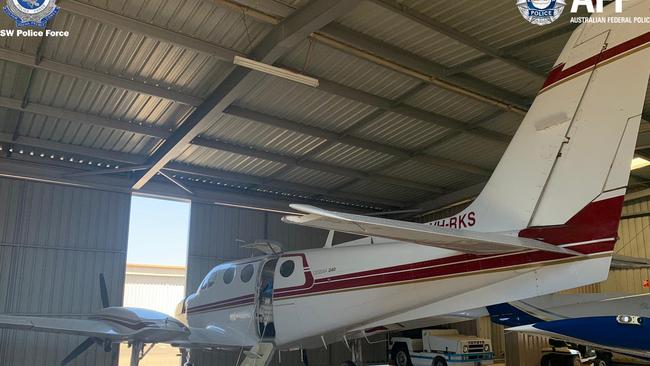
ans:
(78, 351)
(103, 291)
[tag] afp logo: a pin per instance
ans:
(31, 13)
(541, 12)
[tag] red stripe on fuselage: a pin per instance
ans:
(596, 226)
(425, 271)
(558, 73)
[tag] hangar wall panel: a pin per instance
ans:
(634, 242)
(216, 235)
(54, 241)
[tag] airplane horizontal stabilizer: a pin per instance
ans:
(453, 239)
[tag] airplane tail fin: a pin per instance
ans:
(562, 179)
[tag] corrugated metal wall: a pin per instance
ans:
(216, 235)
(54, 241)
(634, 242)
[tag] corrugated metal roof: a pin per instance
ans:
(99, 99)
(332, 64)
(115, 52)
(246, 132)
(197, 18)
(75, 133)
(14, 78)
(304, 104)
(313, 178)
(507, 77)
(397, 130)
(430, 174)
(449, 104)
(470, 149)
(210, 158)
(388, 190)
(352, 157)
(395, 29)
(496, 23)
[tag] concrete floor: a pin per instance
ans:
(160, 355)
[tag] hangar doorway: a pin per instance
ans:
(156, 267)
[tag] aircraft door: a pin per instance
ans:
(264, 308)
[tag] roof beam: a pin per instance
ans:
(275, 183)
(112, 156)
(281, 39)
(473, 191)
(230, 147)
(334, 137)
(24, 169)
(136, 161)
(152, 31)
(409, 111)
(310, 164)
(509, 50)
(407, 63)
(78, 72)
(456, 35)
(394, 58)
(438, 140)
(69, 115)
(81, 73)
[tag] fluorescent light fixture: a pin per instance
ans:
(275, 71)
(638, 163)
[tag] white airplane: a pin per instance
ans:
(546, 221)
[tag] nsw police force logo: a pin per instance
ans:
(31, 13)
(541, 12)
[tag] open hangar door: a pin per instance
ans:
(54, 242)
(216, 236)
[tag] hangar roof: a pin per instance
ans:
(416, 103)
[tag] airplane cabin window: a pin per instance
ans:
(229, 275)
(247, 273)
(286, 269)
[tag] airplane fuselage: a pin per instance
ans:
(308, 298)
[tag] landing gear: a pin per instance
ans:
(136, 349)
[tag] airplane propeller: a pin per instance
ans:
(103, 290)
(83, 347)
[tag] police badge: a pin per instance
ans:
(541, 12)
(31, 13)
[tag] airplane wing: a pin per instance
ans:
(89, 328)
(459, 240)
(614, 333)
(119, 324)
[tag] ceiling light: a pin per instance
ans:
(276, 71)
(638, 163)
